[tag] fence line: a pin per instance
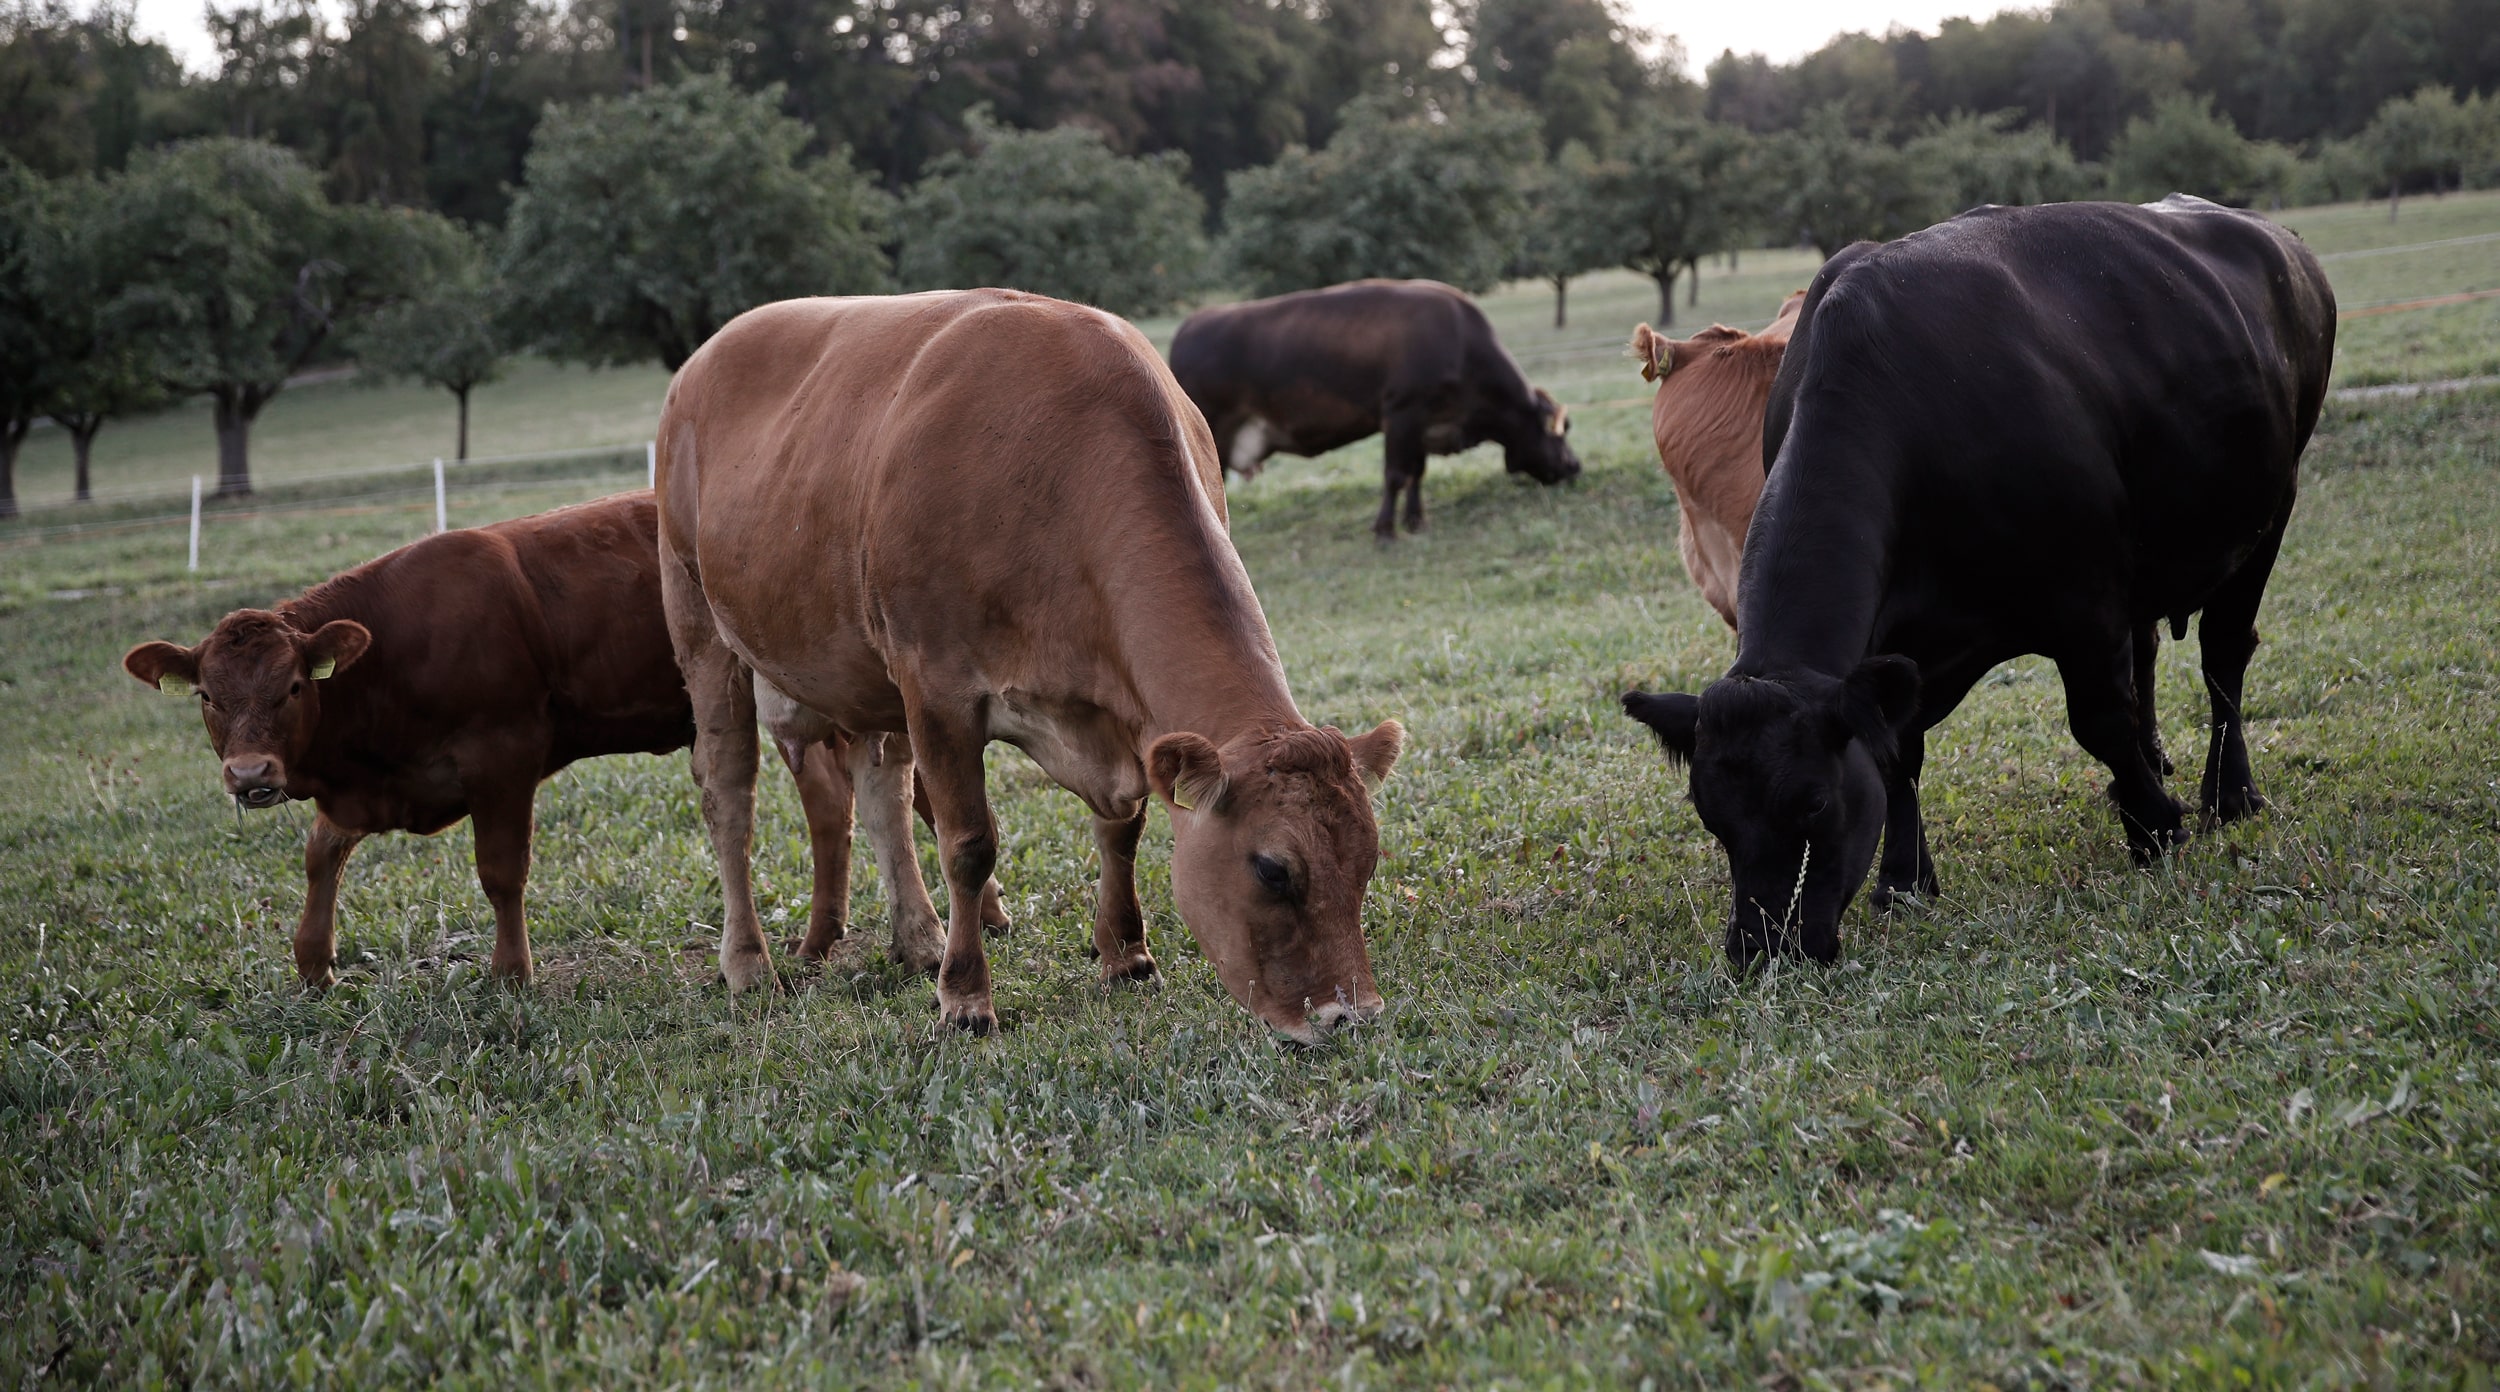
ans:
(344, 502)
(145, 492)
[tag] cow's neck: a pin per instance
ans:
(1816, 561)
(1195, 645)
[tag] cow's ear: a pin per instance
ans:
(1186, 771)
(1376, 752)
(1878, 701)
(169, 667)
(1654, 351)
(1672, 718)
(335, 647)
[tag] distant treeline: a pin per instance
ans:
(434, 105)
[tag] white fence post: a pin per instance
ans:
(441, 523)
(195, 522)
(651, 463)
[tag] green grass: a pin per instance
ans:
(2229, 1123)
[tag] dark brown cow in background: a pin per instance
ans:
(450, 677)
(1413, 360)
(1712, 390)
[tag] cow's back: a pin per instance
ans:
(1320, 366)
(2036, 385)
(924, 470)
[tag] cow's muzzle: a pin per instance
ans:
(255, 782)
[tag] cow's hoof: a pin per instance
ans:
(514, 974)
(317, 978)
(1136, 965)
(2235, 805)
(748, 971)
(920, 948)
(971, 1016)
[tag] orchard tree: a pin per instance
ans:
(1391, 195)
(1562, 237)
(99, 363)
(646, 222)
(2182, 146)
(2423, 139)
(25, 225)
(1970, 160)
(1675, 193)
(1057, 213)
(1842, 187)
(450, 334)
(241, 272)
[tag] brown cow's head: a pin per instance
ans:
(1541, 447)
(1273, 843)
(259, 685)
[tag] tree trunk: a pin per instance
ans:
(2395, 197)
(233, 413)
(1562, 290)
(1731, 260)
(1666, 296)
(12, 434)
(82, 433)
(463, 394)
(1695, 266)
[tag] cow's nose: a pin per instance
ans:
(1340, 1014)
(253, 779)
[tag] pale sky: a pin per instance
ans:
(1783, 29)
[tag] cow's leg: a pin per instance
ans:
(499, 821)
(822, 772)
(994, 918)
(2228, 636)
(2147, 721)
(725, 755)
(1401, 469)
(881, 768)
(2101, 709)
(316, 933)
(946, 745)
(1119, 925)
(1907, 869)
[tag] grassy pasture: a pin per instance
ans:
(2234, 1122)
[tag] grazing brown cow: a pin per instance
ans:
(984, 515)
(1712, 389)
(449, 677)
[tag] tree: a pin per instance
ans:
(98, 364)
(1673, 195)
(1844, 188)
(1573, 62)
(649, 221)
(1563, 237)
(25, 218)
(2181, 146)
(2422, 139)
(1971, 160)
(242, 271)
(450, 334)
(1391, 195)
(1057, 213)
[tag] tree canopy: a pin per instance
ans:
(649, 221)
(1395, 193)
(1057, 213)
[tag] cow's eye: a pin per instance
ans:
(1273, 875)
(296, 687)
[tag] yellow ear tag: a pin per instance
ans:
(321, 670)
(1180, 797)
(172, 685)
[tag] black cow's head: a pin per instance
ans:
(1539, 444)
(258, 679)
(1789, 774)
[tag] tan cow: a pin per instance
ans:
(977, 515)
(1712, 389)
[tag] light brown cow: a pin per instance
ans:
(447, 678)
(984, 515)
(1712, 389)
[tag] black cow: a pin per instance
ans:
(1412, 359)
(2025, 430)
